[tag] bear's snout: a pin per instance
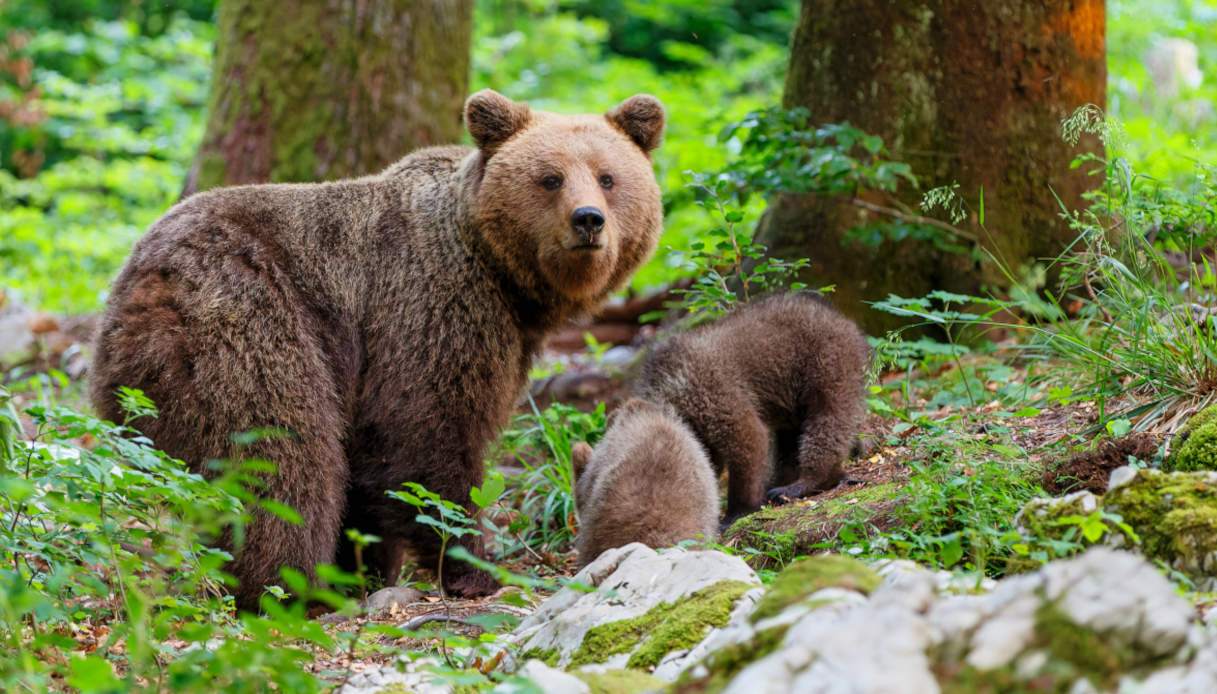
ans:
(587, 222)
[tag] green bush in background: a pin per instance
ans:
(104, 106)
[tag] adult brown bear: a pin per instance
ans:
(387, 323)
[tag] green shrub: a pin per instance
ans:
(107, 581)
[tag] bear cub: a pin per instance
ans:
(386, 324)
(648, 481)
(788, 365)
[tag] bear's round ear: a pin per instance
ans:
(580, 453)
(492, 118)
(642, 118)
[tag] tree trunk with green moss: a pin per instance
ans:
(964, 92)
(311, 90)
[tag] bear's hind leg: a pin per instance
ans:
(824, 444)
(228, 351)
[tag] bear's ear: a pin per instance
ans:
(642, 118)
(492, 118)
(580, 453)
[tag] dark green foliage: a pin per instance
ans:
(152, 18)
(677, 34)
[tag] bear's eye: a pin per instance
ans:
(551, 182)
(606, 181)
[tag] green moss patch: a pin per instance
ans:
(620, 682)
(804, 577)
(781, 533)
(1073, 653)
(1175, 514)
(1199, 448)
(665, 628)
(1085, 653)
(549, 656)
(724, 664)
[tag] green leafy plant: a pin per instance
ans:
(107, 579)
(729, 267)
(447, 518)
(1142, 291)
(953, 514)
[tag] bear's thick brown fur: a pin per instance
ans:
(387, 322)
(648, 480)
(789, 365)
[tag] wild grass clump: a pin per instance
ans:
(542, 499)
(1131, 322)
(1135, 326)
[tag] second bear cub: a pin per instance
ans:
(790, 364)
(647, 481)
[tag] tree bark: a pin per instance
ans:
(964, 92)
(310, 90)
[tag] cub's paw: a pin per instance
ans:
(470, 583)
(791, 492)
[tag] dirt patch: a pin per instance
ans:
(1091, 469)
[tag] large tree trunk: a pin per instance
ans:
(309, 90)
(973, 92)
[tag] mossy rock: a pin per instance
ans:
(721, 666)
(1068, 653)
(1199, 448)
(801, 579)
(1175, 516)
(781, 533)
(1041, 517)
(665, 628)
(620, 682)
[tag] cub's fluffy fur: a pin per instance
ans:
(647, 481)
(789, 365)
(386, 323)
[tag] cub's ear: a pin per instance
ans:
(492, 118)
(580, 453)
(642, 118)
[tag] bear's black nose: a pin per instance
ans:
(587, 222)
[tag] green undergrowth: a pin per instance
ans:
(107, 582)
(542, 498)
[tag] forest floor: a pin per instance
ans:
(918, 415)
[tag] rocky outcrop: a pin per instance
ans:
(1169, 516)
(646, 609)
(677, 621)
